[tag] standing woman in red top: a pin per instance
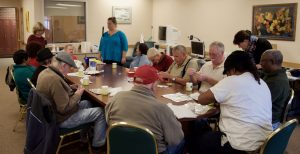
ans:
(37, 36)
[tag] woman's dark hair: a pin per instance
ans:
(32, 49)
(242, 62)
(143, 48)
(113, 20)
(20, 56)
(241, 36)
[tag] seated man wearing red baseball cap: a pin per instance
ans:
(148, 112)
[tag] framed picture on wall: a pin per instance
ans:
(275, 21)
(122, 14)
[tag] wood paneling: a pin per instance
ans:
(8, 32)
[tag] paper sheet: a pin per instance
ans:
(178, 97)
(81, 81)
(195, 95)
(181, 111)
(114, 91)
(73, 74)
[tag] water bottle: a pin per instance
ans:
(92, 64)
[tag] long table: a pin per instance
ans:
(117, 77)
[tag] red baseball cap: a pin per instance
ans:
(145, 75)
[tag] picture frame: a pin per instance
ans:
(275, 21)
(123, 14)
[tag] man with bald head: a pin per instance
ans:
(275, 77)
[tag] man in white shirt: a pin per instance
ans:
(211, 72)
(246, 109)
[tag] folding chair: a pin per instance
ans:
(130, 138)
(66, 132)
(277, 141)
(287, 107)
(30, 83)
(22, 103)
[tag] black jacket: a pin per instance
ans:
(261, 46)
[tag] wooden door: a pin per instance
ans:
(8, 32)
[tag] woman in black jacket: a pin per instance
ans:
(253, 45)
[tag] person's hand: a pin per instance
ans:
(164, 75)
(74, 86)
(200, 77)
(123, 61)
(79, 90)
(99, 56)
(191, 71)
(258, 66)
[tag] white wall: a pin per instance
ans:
(97, 13)
(28, 5)
(99, 10)
(216, 20)
(36, 14)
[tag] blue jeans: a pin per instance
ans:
(87, 114)
(176, 149)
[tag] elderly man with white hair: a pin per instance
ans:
(211, 72)
(159, 60)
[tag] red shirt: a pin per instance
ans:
(39, 40)
(164, 64)
(74, 57)
(33, 62)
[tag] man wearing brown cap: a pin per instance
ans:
(70, 110)
(147, 111)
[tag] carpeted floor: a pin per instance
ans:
(13, 142)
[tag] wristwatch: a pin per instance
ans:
(173, 79)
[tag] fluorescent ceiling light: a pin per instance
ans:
(55, 7)
(69, 5)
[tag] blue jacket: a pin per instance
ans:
(41, 128)
(140, 61)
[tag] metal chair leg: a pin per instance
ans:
(22, 112)
(59, 144)
(89, 144)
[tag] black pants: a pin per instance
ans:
(112, 61)
(205, 141)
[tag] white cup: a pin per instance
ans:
(114, 65)
(189, 86)
(86, 81)
(104, 90)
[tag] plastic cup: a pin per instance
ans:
(114, 65)
(189, 86)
